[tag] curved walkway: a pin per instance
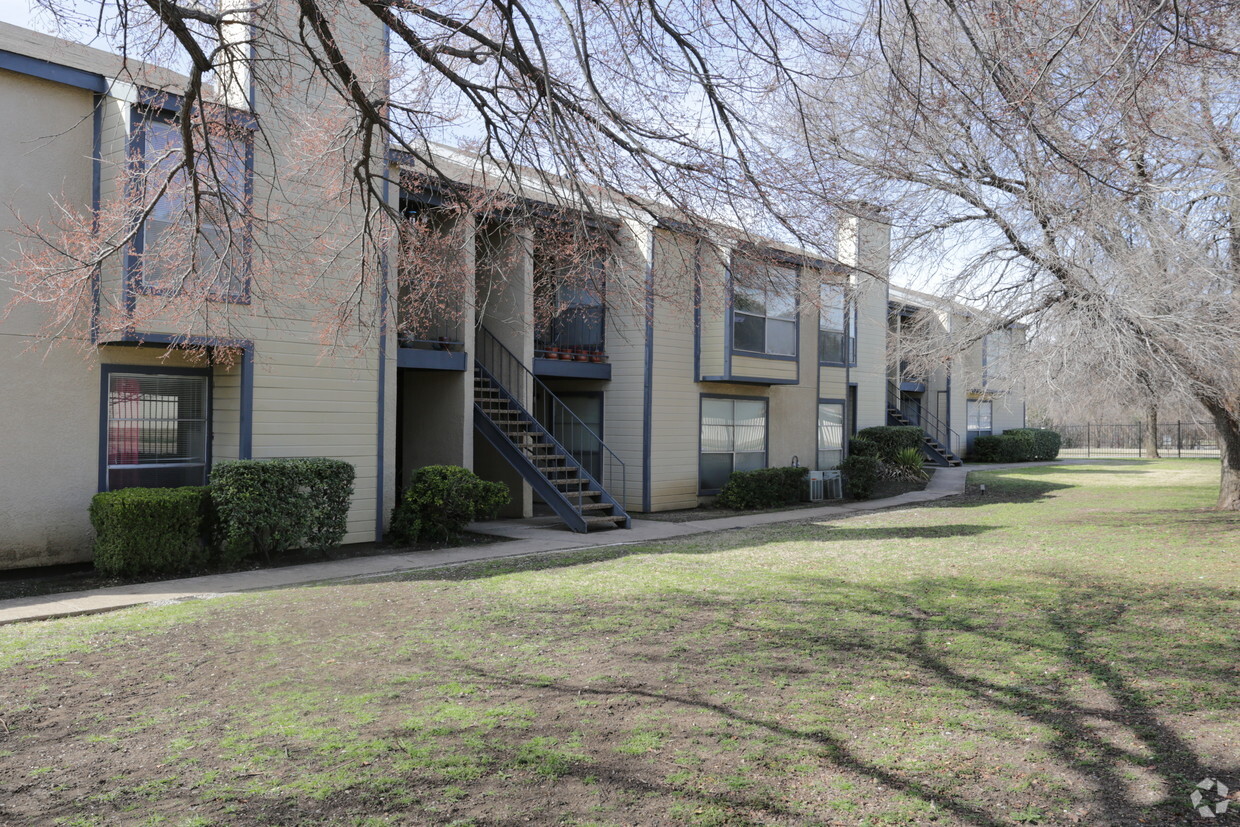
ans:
(526, 539)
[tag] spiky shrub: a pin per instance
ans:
(908, 464)
(142, 531)
(440, 501)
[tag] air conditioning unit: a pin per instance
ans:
(822, 483)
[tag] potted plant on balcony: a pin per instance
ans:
(596, 353)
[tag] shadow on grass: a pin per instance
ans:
(1095, 635)
(830, 533)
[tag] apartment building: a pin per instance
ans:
(632, 381)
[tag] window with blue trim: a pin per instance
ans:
(837, 337)
(189, 243)
(764, 308)
(830, 435)
(733, 439)
(156, 430)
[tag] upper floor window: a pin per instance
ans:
(568, 297)
(192, 241)
(994, 356)
(836, 332)
(764, 308)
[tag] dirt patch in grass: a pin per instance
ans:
(961, 665)
(84, 576)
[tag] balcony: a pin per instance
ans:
(435, 347)
(570, 346)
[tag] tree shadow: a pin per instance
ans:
(1100, 732)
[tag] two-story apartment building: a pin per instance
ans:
(633, 380)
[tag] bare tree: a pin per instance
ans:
(1079, 159)
(600, 108)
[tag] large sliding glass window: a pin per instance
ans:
(764, 309)
(830, 435)
(733, 439)
(156, 430)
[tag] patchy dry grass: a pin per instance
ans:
(1059, 650)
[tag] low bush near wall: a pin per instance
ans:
(860, 476)
(859, 446)
(269, 506)
(891, 439)
(763, 488)
(441, 500)
(1046, 443)
(1017, 445)
(151, 530)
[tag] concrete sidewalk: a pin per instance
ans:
(527, 537)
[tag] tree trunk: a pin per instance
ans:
(1151, 432)
(1228, 427)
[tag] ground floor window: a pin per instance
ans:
(733, 439)
(155, 429)
(830, 434)
(980, 414)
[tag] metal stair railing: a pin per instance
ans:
(563, 427)
(930, 424)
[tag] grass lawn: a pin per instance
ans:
(1059, 650)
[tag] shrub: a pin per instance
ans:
(1046, 443)
(151, 530)
(270, 506)
(860, 476)
(1010, 446)
(441, 500)
(891, 439)
(908, 464)
(859, 446)
(763, 488)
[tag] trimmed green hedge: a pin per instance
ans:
(859, 446)
(270, 506)
(860, 476)
(441, 500)
(763, 488)
(1046, 443)
(890, 439)
(151, 530)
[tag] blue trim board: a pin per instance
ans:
(54, 72)
(96, 199)
(105, 373)
(751, 380)
(647, 402)
(422, 359)
(561, 369)
(381, 441)
(697, 309)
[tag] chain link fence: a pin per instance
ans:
(1175, 439)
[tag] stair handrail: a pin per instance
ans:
(938, 429)
(510, 372)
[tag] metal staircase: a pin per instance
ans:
(941, 444)
(504, 393)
